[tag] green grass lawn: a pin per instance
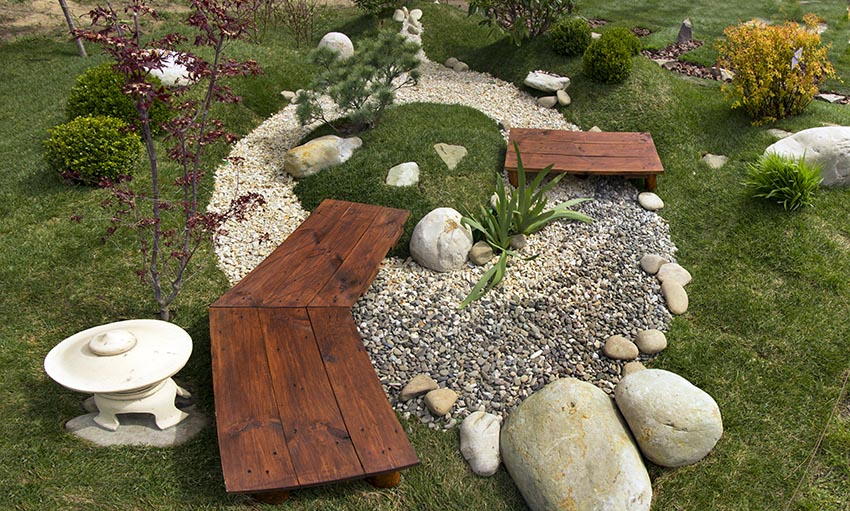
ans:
(765, 334)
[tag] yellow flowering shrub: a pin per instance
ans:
(777, 67)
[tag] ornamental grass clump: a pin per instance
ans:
(523, 212)
(790, 182)
(777, 67)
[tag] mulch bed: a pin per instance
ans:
(673, 52)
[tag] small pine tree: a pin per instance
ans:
(362, 85)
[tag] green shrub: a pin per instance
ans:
(777, 67)
(89, 148)
(789, 182)
(524, 212)
(607, 60)
(362, 85)
(375, 7)
(628, 38)
(98, 91)
(570, 36)
(522, 19)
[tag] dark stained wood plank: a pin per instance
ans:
(554, 147)
(254, 455)
(588, 137)
(292, 278)
(591, 164)
(355, 275)
(378, 437)
(319, 444)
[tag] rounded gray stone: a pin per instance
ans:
(481, 253)
(418, 385)
(450, 62)
(547, 101)
(632, 367)
(674, 422)
(620, 348)
(651, 341)
(563, 98)
(440, 401)
(650, 202)
(650, 263)
(674, 272)
(518, 241)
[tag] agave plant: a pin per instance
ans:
(524, 212)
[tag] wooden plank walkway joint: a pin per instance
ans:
(628, 154)
(297, 400)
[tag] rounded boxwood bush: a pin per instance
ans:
(98, 91)
(607, 60)
(631, 41)
(570, 36)
(90, 148)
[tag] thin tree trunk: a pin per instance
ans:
(80, 47)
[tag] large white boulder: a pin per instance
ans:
(319, 154)
(338, 42)
(828, 146)
(171, 73)
(479, 442)
(439, 241)
(567, 448)
(546, 82)
(674, 422)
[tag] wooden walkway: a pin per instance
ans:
(297, 400)
(631, 155)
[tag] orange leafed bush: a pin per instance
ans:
(777, 67)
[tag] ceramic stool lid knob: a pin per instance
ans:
(113, 342)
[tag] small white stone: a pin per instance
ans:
(650, 202)
(403, 174)
(715, 161)
(563, 98)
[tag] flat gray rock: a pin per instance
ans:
(567, 448)
(418, 385)
(674, 422)
(450, 154)
(440, 401)
(546, 82)
(715, 161)
(830, 98)
(137, 429)
(547, 101)
(778, 133)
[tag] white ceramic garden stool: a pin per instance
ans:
(128, 367)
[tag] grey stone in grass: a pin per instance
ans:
(450, 154)
(685, 32)
(828, 146)
(420, 384)
(674, 422)
(778, 133)
(651, 341)
(650, 263)
(398, 15)
(715, 161)
(479, 442)
(413, 29)
(650, 201)
(440, 401)
(674, 272)
(546, 82)
(481, 253)
(415, 14)
(403, 174)
(595, 35)
(676, 297)
(547, 101)
(288, 95)
(450, 62)
(620, 348)
(566, 447)
(563, 98)
(595, 129)
(829, 98)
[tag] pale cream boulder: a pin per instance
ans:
(440, 242)
(319, 154)
(479, 442)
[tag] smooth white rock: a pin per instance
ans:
(440, 401)
(567, 448)
(651, 341)
(778, 133)
(287, 95)
(338, 42)
(651, 263)
(828, 146)
(546, 82)
(439, 241)
(403, 174)
(319, 154)
(676, 297)
(563, 98)
(547, 101)
(416, 14)
(479, 442)
(398, 15)
(650, 201)
(450, 62)
(674, 272)
(830, 98)
(460, 67)
(171, 73)
(674, 422)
